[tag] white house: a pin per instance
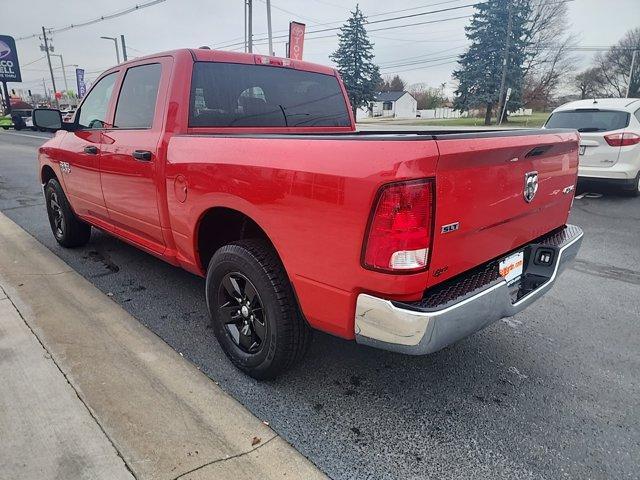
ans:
(393, 104)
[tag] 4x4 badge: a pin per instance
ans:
(530, 186)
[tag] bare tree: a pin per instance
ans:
(615, 64)
(427, 97)
(589, 83)
(548, 59)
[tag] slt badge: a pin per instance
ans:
(530, 186)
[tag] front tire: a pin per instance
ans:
(253, 310)
(68, 230)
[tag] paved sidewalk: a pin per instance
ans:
(47, 432)
(88, 392)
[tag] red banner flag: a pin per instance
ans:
(296, 40)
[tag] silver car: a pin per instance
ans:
(609, 139)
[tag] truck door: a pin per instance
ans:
(81, 175)
(130, 167)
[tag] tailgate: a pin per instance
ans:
(480, 186)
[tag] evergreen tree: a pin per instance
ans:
(395, 84)
(480, 72)
(354, 58)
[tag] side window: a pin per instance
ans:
(637, 114)
(93, 113)
(137, 100)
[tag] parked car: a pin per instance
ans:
(609, 139)
(5, 122)
(248, 171)
(67, 115)
(17, 119)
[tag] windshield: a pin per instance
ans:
(589, 120)
(239, 95)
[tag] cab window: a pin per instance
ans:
(93, 112)
(137, 100)
(240, 95)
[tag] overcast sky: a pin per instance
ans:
(192, 23)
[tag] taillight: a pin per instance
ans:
(399, 232)
(623, 139)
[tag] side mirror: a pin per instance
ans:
(47, 118)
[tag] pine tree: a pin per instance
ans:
(354, 58)
(479, 75)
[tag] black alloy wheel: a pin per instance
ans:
(254, 312)
(242, 311)
(67, 228)
(55, 216)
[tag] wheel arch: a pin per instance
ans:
(218, 226)
(47, 173)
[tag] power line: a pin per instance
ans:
(421, 67)
(416, 57)
(102, 18)
(225, 43)
(402, 17)
(421, 62)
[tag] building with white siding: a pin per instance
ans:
(393, 104)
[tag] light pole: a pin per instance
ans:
(633, 63)
(115, 42)
(64, 73)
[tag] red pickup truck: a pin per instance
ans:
(248, 170)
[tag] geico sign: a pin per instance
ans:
(6, 66)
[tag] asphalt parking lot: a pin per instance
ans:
(551, 393)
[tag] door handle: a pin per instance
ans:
(142, 155)
(91, 149)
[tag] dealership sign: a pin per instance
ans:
(9, 66)
(82, 87)
(296, 40)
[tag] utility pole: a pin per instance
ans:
(46, 49)
(633, 63)
(269, 33)
(505, 61)
(124, 49)
(250, 25)
(64, 73)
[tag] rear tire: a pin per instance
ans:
(635, 190)
(253, 310)
(68, 230)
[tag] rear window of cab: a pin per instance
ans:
(241, 95)
(589, 120)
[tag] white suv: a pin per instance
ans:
(609, 139)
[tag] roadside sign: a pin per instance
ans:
(9, 66)
(508, 93)
(82, 87)
(296, 40)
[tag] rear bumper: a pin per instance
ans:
(464, 305)
(613, 182)
(621, 171)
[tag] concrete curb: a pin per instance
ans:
(164, 417)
